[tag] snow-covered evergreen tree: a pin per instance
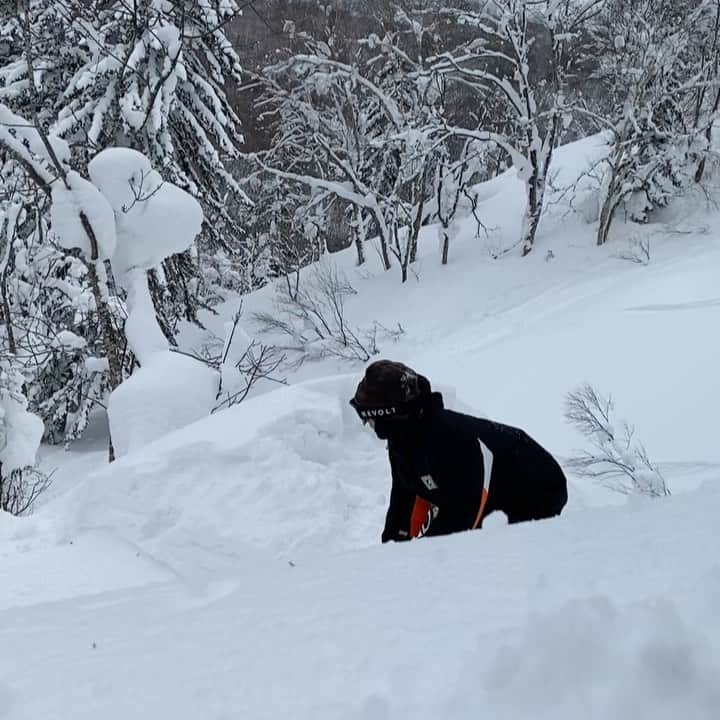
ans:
(151, 75)
(59, 316)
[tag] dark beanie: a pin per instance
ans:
(387, 383)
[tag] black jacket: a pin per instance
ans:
(453, 460)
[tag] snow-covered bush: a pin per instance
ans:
(617, 459)
(20, 434)
(650, 103)
(154, 219)
(243, 363)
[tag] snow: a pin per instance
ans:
(65, 213)
(168, 392)
(233, 565)
(69, 340)
(141, 327)
(40, 565)
(20, 433)
(96, 365)
(575, 617)
(155, 219)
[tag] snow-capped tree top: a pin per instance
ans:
(155, 219)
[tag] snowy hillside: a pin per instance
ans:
(233, 568)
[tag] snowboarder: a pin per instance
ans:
(449, 470)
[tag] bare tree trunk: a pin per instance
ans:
(700, 172)
(111, 341)
(360, 250)
(417, 220)
(613, 194)
(7, 318)
(360, 234)
(445, 246)
(384, 251)
(607, 214)
(536, 194)
(12, 347)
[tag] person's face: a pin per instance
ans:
(386, 428)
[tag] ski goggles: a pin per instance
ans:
(371, 414)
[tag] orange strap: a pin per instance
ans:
(419, 514)
(483, 500)
(487, 458)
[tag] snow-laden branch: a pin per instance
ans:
(23, 140)
(518, 158)
(352, 73)
(356, 196)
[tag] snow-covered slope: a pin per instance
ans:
(232, 568)
(601, 614)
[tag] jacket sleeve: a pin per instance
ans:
(460, 510)
(399, 512)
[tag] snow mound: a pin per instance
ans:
(154, 220)
(169, 391)
(595, 659)
(288, 471)
(20, 433)
(38, 568)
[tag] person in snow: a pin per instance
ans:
(449, 470)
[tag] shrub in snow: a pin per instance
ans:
(20, 435)
(244, 362)
(617, 460)
(638, 250)
(313, 318)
